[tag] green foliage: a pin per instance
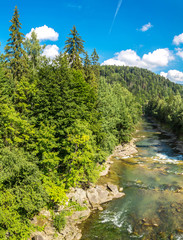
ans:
(120, 112)
(95, 63)
(168, 111)
(58, 123)
(80, 156)
(21, 175)
(16, 131)
(60, 221)
(95, 57)
(74, 47)
(144, 84)
(55, 189)
(12, 225)
(21, 193)
(74, 206)
(15, 54)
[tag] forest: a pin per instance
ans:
(58, 122)
(160, 98)
(60, 119)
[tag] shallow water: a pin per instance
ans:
(153, 184)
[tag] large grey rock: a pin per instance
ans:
(119, 195)
(103, 194)
(78, 195)
(71, 232)
(78, 215)
(93, 197)
(113, 188)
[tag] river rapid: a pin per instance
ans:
(153, 183)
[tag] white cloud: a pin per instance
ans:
(44, 33)
(125, 58)
(158, 58)
(178, 39)
(174, 76)
(51, 51)
(146, 27)
(179, 52)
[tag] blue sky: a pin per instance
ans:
(143, 32)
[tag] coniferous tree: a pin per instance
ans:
(74, 47)
(87, 67)
(15, 55)
(87, 61)
(95, 63)
(95, 57)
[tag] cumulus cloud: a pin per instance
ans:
(174, 76)
(44, 33)
(51, 51)
(146, 27)
(125, 58)
(158, 58)
(178, 39)
(179, 52)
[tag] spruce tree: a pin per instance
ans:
(74, 47)
(95, 63)
(95, 57)
(87, 67)
(15, 55)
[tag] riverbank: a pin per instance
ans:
(88, 199)
(178, 144)
(152, 181)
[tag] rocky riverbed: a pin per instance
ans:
(152, 181)
(89, 199)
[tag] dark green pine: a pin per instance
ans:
(95, 57)
(14, 53)
(74, 47)
(95, 63)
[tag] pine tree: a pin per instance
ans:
(95, 57)
(74, 47)
(87, 61)
(87, 67)
(15, 55)
(95, 63)
(6, 86)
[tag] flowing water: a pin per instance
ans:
(153, 184)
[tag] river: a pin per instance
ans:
(153, 183)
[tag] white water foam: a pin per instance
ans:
(163, 158)
(117, 219)
(125, 157)
(129, 229)
(179, 237)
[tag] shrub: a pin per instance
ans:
(59, 221)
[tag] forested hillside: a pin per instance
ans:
(141, 82)
(58, 123)
(160, 98)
